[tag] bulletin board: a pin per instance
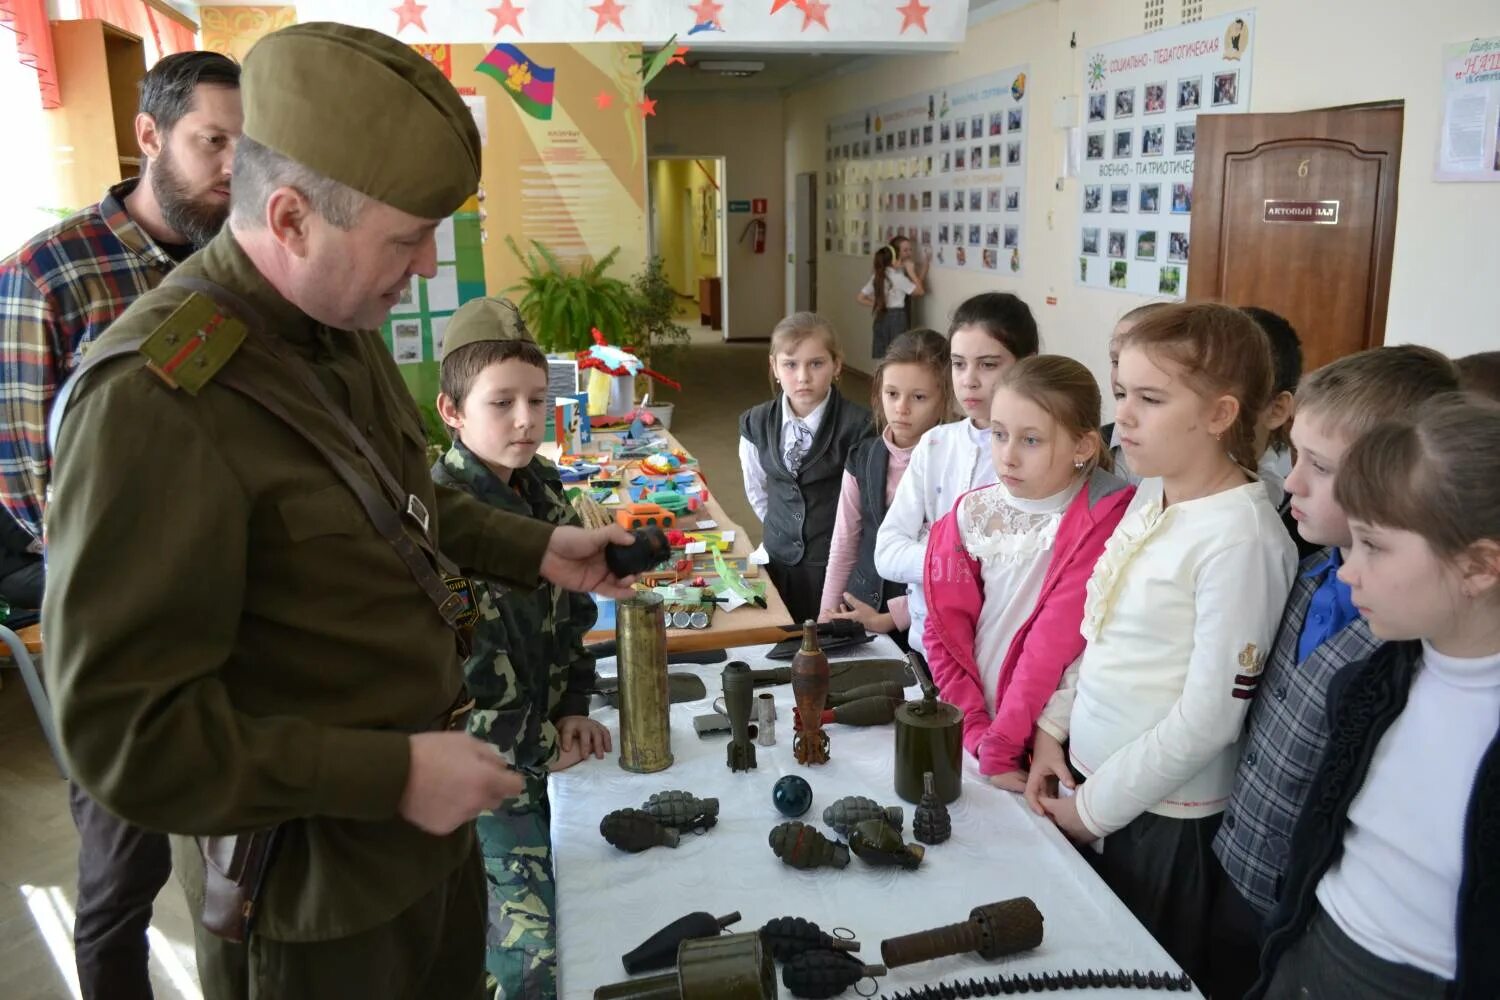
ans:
(945, 168)
(1142, 99)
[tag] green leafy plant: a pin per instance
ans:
(561, 307)
(653, 303)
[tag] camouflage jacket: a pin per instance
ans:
(528, 668)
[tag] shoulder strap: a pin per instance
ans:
(393, 514)
(92, 358)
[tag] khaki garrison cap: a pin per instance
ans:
(365, 110)
(484, 319)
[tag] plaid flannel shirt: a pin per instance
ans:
(58, 293)
(1288, 734)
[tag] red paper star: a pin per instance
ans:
(705, 10)
(608, 12)
(647, 107)
(681, 51)
(604, 99)
(813, 12)
(913, 14)
(778, 4)
(506, 15)
(410, 12)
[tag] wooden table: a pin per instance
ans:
(745, 626)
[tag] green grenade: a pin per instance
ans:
(929, 737)
(788, 937)
(931, 824)
(729, 967)
(819, 974)
(877, 844)
(802, 846)
(682, 810)
(635, 831)
(853, 809)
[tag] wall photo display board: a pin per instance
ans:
(945, 168)
(1142, 99)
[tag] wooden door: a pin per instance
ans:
(1297, 213)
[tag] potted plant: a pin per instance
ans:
(657, 338)
(561, 307)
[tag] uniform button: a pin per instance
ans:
(1280, 693)
(370, 429)
(1251, 758)
(1229, 821)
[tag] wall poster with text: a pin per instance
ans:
(1142, 99)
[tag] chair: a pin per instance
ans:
(23, 646)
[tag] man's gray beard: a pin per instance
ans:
(194, 221)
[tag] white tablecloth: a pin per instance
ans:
(609, 901)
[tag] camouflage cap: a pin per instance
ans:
(484, 319)
(365, 110)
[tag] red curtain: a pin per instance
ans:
(161, 35)
(28, 19)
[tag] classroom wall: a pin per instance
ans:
(747, 130)
(1443, 290)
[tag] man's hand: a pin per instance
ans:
(453, 778)
(574, 560)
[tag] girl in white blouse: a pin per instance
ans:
(989, 333)
(1180, 614)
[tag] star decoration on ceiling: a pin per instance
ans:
(409, 13)
(604, 99)
(647, 107)
(913, 15)
(608, 12)
(507, 15)
(705, 11)
(677, 56)
(813, 12)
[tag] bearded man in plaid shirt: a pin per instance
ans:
(58, 293)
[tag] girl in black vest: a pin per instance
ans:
(1393, 887)
(912, 394)
(792, 453)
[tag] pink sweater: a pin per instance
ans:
(1046, 643)
(843, 550)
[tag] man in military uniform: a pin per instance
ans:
(528, 673)
(246, 626)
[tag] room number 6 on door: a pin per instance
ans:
(1302, 168)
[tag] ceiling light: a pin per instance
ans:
(729, 67)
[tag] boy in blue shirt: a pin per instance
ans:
(1320, 634)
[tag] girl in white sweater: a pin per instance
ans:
(1180, 614)
(989, 333)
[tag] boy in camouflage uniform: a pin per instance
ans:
(529, 675)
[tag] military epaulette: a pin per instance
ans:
(190, 346)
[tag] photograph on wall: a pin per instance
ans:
(972, 137)
(1143, 96)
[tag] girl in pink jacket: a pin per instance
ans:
(1007, 567)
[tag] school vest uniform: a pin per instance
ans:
(801, 508)
(869, 465)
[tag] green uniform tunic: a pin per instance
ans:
(230, 643)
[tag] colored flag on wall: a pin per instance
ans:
(528, 83)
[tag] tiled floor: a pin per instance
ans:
(38, 846)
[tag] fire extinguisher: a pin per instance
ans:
(756, 230)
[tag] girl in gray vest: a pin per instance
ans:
(912, 394)
(793, 449)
